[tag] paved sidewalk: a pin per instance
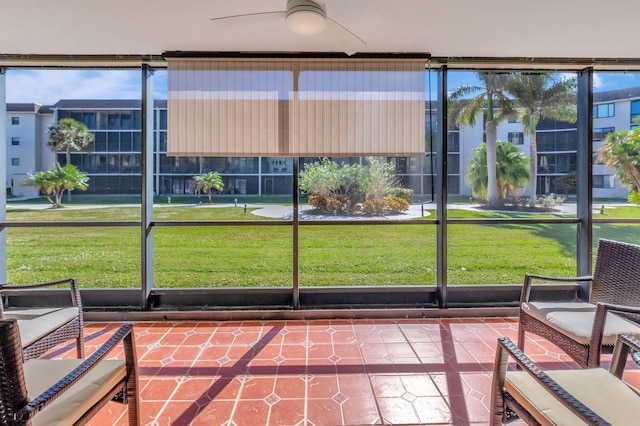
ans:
(278, 211)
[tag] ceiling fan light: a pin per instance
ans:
(306, 18)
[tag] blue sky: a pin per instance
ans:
(48, 86)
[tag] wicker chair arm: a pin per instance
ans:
(597, 332)
(37, 285)
(51, 394)
(533, 369)
(530, 278)
(624, 345)
(72, 282)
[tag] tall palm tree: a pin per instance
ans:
(208, 181)
(69, 135)
(539, 95)
(467, 102)
(512, 169)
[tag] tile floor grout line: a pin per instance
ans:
(306, 374)
(368, 376)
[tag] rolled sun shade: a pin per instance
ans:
(296, 107)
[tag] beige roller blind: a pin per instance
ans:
(359, 107)
(225, 108)
(296, 107)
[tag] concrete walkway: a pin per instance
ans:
(278, 211)
(415, 210)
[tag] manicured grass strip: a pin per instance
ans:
(252, 256)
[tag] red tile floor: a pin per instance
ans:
(337, 372)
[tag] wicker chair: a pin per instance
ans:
(592, 396)
(44, 328)
(584, 330)
(66, 391)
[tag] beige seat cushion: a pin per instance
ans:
(26, 314)
(599, 390)
(40, 374)
(37, 323)
(575, 319)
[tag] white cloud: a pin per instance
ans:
(597, 81)
(49, 86)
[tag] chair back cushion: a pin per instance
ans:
(37, 323)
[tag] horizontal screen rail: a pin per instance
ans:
(70, 224)
(617, 220)
(511, 221)
(340, 222)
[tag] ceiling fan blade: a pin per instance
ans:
(249, 18)
(342, 37)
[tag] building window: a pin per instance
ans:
(603, 181)
(516, 138)
(15, 120)
(604, 110)
(604, 130)
(15, 141)
(635, 110)
(15, 161)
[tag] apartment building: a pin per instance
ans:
(113, 162)
(26, 125)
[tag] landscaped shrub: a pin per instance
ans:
(385, 205)
(404, 193)
(318, 201)
(397, 204)
(338, 204)
(374, 207)
(549, 201)
(350, 188)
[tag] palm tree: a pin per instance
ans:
(208, 181)
(53, 182)
(69, 135)
(467, 102)
(539, 95)
(512, 170)
(621, 152)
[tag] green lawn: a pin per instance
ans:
(240, 256)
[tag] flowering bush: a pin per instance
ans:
(397, 204)
(375, 206)
(338, 204)
(384, 205)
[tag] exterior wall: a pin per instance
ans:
(26, 135)
(620, 121)
(470, 139)
(45, 158)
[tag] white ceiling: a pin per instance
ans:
(445, 28)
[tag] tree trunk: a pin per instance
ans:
(68, 158)
(533, 169)
(494, 197)
(210, 200)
